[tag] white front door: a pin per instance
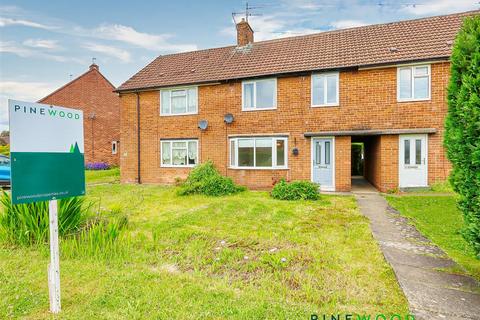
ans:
(413, 161)
(323, 163)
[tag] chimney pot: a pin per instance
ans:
(244, 33)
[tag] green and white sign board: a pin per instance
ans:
(46, 151)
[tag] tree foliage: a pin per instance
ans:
(462, 135)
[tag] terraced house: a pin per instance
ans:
(369, 101)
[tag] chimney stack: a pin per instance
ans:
(244, 33)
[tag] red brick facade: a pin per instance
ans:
(367, 101)
(94, 94)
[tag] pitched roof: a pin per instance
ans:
(411, 40)
(93, 68)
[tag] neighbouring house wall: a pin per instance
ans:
(90, 93)
(367, 101)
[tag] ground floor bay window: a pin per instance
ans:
(258, 153)
(179, 153)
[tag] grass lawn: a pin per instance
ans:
(245, 256)
(438, 218)
(102, 176)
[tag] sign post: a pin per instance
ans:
(47, 163)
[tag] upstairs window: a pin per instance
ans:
(259, 94)
(413, 83)
(179, 153)
(325, 89)
(179, 101)
(258, 153)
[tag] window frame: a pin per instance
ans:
(171, 141)
(255, 167)
(170, 89)
(412, 82)
(325, 89)
(254, 82)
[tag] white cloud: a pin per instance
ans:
(42, 44)
(432, 7)
(25, 52)
(343, 24)
(140, 39)
(4, 22)
(26, 91)
(118, 53)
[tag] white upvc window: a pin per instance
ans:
(179, 153)
(259, 153)
(413, 83)
(259, 94)
(325, 89)
(179, 101)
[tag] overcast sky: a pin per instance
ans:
(44, 44)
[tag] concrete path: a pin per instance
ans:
(431, 293)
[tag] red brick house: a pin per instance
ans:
(94, 94)
(294, 107)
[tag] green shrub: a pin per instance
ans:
(5, 150)
(205, 179)
(462, 127)
(296, 190)
(28, 224)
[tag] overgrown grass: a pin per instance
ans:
(438, 218)
(102, 176)
(244, 256)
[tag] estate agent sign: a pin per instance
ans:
(47, 163)
(46, 152)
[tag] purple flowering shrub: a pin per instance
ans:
(97, 166)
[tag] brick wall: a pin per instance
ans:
(91, 92)
(367, 101)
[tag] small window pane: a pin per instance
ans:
(165, 102)
(418, 151)
(421, 87)
(179, 157)
(332, 89)
(192, 152)
(179, 144)
(263, 152)
(406, 152)
(166, 158)
(245, 153)
(405, 86)
(421, 71)
(248, 95)
(265, 94)
(327, 152)
(179, 101)
(192, 100)
(232, 153)
(318, 90)
(318, 153)
(280, 152)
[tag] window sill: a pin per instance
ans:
(259, 168)
(173, 166)
(178, 114)
(325, 105)
(413, 100)
(260, 109)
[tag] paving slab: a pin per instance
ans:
(420, 266)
